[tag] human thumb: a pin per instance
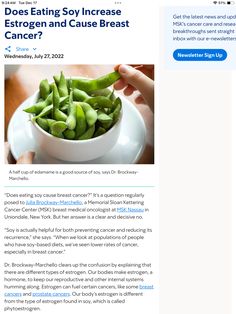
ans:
(140, 81)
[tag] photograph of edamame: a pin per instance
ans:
(79, 114)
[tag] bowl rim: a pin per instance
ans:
(36, 95)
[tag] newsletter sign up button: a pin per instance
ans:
(200, 54)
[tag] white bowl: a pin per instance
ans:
(74, 150)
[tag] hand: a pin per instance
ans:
(25, 158)
(137, 77)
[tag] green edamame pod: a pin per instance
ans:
(55, 97)
(46, 111)
(106, 124)
(101, 92)
(99, 131)
(57, 129)
(56, 113)
(99, 102)
(71, 119)
(50, 122)
(90, 113)
(48, 100)
(103, 117)
(111, 96)
(107, 80)
(81, 124)
(69, 85)
(116, 112)
(95, 84)
(64, 100)
(69, 134)
(43, 124)
(56, 79)
(37, 108)
(59, 115)
(88, 134)
(79, 95)
(108, 110)
(62, 86)
(117, 102)
(44, 89)
(64, 108)
(64, 103)
(106, 121)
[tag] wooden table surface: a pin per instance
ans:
(25, 82)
